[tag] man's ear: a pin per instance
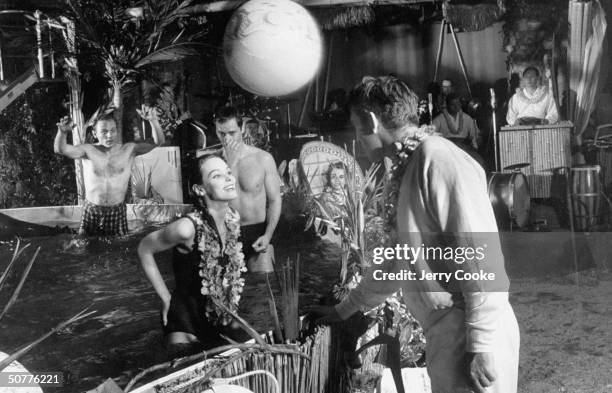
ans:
(374, 123)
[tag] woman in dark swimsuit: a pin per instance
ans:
(203, 241)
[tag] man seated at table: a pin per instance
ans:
(532, 104)
(456, 125)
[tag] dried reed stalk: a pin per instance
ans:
(278, 332)
(20, 285)
(25, 349)
(246, 348)
(243, 324)
(289, 283)
(16, 254)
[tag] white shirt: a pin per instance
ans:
(443, 191)
(540, 105)
(461, 126)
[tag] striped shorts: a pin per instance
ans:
(103, 220)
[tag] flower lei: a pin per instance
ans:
(221, 282)
(450, 124)
(400, 160)
(538, 96)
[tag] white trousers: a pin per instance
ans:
(446, 356)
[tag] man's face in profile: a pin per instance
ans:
(374, 138)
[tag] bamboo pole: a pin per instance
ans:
(304, 105)
(41, 65)
(461, 60)
(1, 62)
(51, 55)
(330, 50)
(317, 93)
(76, 101)
(440, 49)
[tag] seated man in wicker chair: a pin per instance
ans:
(532, 104)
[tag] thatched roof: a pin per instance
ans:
(467, 15)
(472, 15)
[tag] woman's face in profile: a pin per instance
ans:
(337, 179)
(218, 181)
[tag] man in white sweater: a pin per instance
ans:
(436, 200)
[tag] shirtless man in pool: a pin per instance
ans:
(259, 199)
(107, 167)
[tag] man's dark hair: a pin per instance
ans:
(226, 113)
(532, 68)
(389, 98)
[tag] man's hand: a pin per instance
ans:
(148, 113)
(482, 370)
(164, 311)
(325, 315)
(231, 152)
(261, 244)
(531, 121)
(65, 124)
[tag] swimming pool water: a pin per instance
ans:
(124, 335)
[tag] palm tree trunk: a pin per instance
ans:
(117, 100)
(76, 102)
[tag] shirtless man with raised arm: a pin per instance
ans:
(259, 199)
(107, 166)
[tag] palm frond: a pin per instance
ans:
(172, 52)
(102, 110)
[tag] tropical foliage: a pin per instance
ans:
(129, 37)
(30, 173)
(359, 212)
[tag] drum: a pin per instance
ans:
(586, 194)
(509, 195)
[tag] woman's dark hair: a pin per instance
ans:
(531, 68)
(195, 176)
(330, 169)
